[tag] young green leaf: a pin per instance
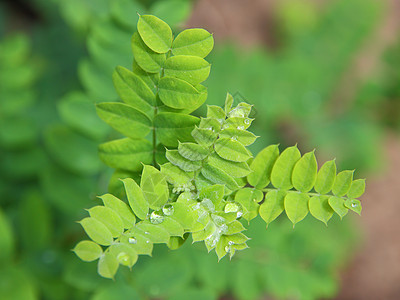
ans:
(109, 218)
(192, 69)
(125, 254)
(196, 41)
(337, 205)
(342, 183)
(354, 205)
(234, 169)
(244, 137)
(126, 154)
(172, 227)
(134, 91)
(281, 175)
(248, 199)
(136, 198)
(204, 136)
(174, 127)
(218, 176)
(108, 265)
(215, 193)
(177, 93)
(192, 151)
(121, 208)
(272, 206)
(176, 175)
(125, 119)
(178, 160)
(155, 233)
(155, 33)
(88, 250)
(155, 187)
(231, 150)
(97, 231)
(215, 112)
(262, 166)
(326, 177)
(305, 173)
(357, 188)
(320, 208)
(147, 59)
(296, 206)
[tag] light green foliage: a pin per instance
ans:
(206, 187)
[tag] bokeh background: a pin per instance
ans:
(323, 74)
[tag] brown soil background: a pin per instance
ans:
(375, 271)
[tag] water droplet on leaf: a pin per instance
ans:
(155, 219)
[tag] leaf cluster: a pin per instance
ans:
(210, 182)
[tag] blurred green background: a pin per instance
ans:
(323, 74)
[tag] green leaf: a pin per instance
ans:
(177, 93)
(326, 177)
(151, 79)
(88, 250)
(281, 175)
(354, 205)
(176, 175)
(215, 193)
(204, 136)
(147, 59)
(184, 215)
(154, 187)
(192, 69)
(249, 198)
(296, 206)
(121, 208)
(216, 112)
(125, 254)
(272, 206)
(320, 208)
(228, 103)
(171, 127)
(109, 218)
(156, 34)
(138, 241)
(305, 173)
(342, 183)
(134, 91)
(262, 167)
(192, 151)
(108, 265)
(234, 227)
(244, 137)
(357, 188)
(178, 160)
(337, 205)
(219, 177)
(136, 198)
(155, 233)
(125, 119)
(234, 169)
(126, 154)
(195, 41)
(172, 227)
(97, 231)
(231, 150)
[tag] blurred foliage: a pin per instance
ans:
(47, 119)
(293, 88)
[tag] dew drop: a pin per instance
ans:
(132, 240)
(240, 127)
(231, 207)
(230, 243)
(208, 204)
(218, 220)
(353, 205)
(168, 210)
(227, 249)
(155, 218)
(247, 121)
